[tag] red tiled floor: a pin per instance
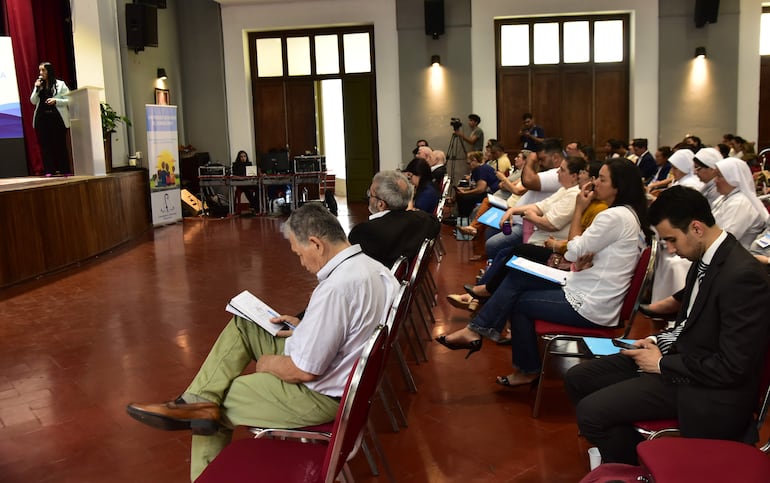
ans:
(135, 324)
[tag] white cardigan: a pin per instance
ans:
(616, 240)
(62, 102)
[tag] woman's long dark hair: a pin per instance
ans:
(238, 156)
(627, 180)
(51, 81)
(421, 168)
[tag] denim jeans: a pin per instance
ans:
(500, 240)
(523, 298)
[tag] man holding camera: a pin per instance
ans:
(475, 139)
(531, 135)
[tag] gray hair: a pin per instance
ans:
(394, 189)
(313, 219)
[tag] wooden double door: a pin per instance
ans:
(287, 115)
(587, 103)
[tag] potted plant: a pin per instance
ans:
(110, 121)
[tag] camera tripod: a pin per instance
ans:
(453, 154)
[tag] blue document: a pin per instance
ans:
(492, 217)
(600, 346)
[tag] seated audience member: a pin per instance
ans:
(420, 143)
(738, 211)
(392, 230)
(706, 170)
(539, 184)
(238, 168)
(301, 373)
(437, 162)
(482, 180)
(510, 189)
(682, 169)
(582, 218)
(694, 142)
(499, 158)
(705, 372)
(587, 152)
(425, 194)
(724, 150)
(572, 149)
(660, 179)
(737, 144)
(614, 149)
(645, 160)
(604, 257)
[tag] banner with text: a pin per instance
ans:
(162, 154)
(13, 158)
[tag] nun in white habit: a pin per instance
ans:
(682, 166)
(738, 210)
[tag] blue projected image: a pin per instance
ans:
(10, 121)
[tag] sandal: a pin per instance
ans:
(505, 381)
(460, 301)
(467, 230)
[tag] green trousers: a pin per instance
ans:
(257, 399)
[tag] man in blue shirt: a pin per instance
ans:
(531, 135)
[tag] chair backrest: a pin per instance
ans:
(400, 268)
(419, 264)
(445, 185)
(764, 394)
(642, 278)
(397, 312)
(356, 402)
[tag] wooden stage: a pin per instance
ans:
(47, 224)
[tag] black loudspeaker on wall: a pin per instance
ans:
(434, 18)
(706, 11)
(141, 26)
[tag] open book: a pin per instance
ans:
(251, 308)
(543, 271)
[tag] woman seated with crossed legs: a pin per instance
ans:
(604, 259)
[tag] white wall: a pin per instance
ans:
(97, 60)
(238, 20)
(644, 87)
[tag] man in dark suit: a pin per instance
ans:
(646, 161)
(392, 230)
(706, 371)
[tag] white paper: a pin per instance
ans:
(248, 306)
(543, 271)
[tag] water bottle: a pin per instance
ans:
(507, 227)
(288, 194)
(304, 195)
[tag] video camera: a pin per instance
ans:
(456, 123)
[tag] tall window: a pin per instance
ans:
(568, 40)
(328, 52)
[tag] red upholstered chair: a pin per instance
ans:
(290, 460)
(553, 332)
(674, 460)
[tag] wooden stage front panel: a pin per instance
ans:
(47, 226)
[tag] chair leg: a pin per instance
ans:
(540, 384)
(417, 338)
(405, 371)
(378, 449)
(369, 459)
(388, 411)
(412, 350)
(399, 410)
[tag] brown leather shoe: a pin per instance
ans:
(201, 418)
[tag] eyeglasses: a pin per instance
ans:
(370, 195)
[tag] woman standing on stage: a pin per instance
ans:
(51, 120)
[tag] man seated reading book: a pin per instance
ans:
(300, 374)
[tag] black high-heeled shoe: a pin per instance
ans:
(469, 288)
(472, 346)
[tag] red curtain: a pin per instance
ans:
(38, 33)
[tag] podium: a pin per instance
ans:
(86, 132)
